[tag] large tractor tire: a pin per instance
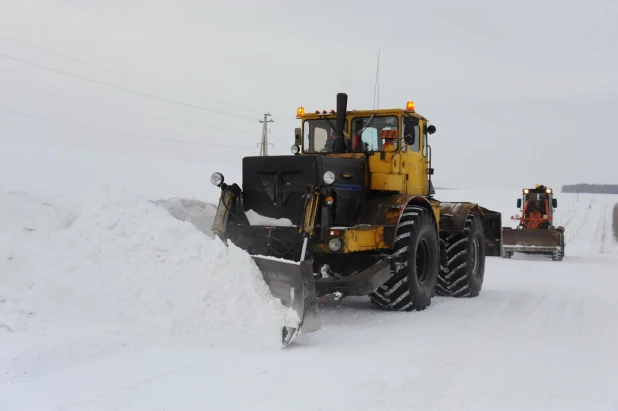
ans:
(413, 284)
(465, 267)
(558, 255)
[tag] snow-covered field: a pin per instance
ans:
(109, 302)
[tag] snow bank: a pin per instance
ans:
(124, 267)
(199, 213)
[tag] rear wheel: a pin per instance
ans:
(413, 284)
(465, 267)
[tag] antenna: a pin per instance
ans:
(376, 88)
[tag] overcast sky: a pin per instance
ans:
(521, 92)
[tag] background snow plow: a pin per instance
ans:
(535, 233)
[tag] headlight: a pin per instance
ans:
(548, 191)
(295, 149)
(329, 177)
(526, 191)
(334, 244)
(216, 179)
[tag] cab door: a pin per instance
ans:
(413, 160)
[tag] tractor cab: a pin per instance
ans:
(392, 142)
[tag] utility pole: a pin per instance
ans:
(264, 143)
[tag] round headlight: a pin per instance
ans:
(329, 177)
(216, 179)
(548, 191)
(295, 149)
(334, 244)
(526, 191)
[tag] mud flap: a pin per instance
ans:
(531, 241)
(293, 284)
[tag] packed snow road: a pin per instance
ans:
(111, 303)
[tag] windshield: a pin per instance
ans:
(375, 133)
(319, 135)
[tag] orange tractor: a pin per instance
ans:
(535, 233)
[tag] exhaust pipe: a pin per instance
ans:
(342, 106)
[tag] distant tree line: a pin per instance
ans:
(591, 188)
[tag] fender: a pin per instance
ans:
(453, 215)
(386, 211)
(453, 218)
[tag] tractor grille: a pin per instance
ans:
(273, 186)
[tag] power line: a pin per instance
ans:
(87, 79)
(123, 74)
(41, 118)
(286, 125)
(120, 110)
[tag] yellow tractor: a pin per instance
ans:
(351, 213)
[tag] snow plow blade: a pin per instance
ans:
(531, 241)
(293, 284)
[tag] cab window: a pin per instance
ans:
(319, 135)
(375, 133)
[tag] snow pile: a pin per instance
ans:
(125, 266)
(198, 213)
(24, 219)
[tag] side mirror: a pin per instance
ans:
(297, 136)
(410, 129)
(554, 202)
(431, 129)
(519, 203)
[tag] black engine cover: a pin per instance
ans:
(273, 185)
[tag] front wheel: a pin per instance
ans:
(465, 268)
(559, 255)
(413, 284)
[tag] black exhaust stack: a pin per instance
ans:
(342, 106)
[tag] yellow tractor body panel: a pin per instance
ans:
(415, 166)
(385, 172)
(356, 239)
